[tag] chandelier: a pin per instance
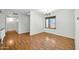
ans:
(46, 11)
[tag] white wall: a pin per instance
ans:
(36, 23)
(65, 23)
(77, 29)
(11, 25)
(21, 24)
(24, 24)
(2, 21)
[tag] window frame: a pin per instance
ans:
(49, 23)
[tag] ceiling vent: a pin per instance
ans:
(15, 14)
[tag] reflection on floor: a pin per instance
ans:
(48, 41)
(41, 41)
(14, 41)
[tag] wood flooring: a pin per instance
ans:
(41, 41)
(47, 41)
(15, 41)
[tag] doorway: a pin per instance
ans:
(11, 24)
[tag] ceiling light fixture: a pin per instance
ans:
(10, 19)
(46, 11)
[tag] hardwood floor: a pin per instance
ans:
(41, 41)
(46, 41)
(14, 41)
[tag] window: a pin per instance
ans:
(50, 22)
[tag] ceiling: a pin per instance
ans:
(11, 12)
(16, 11)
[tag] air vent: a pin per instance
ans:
(15, 14)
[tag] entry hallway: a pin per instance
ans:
(41, 41)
